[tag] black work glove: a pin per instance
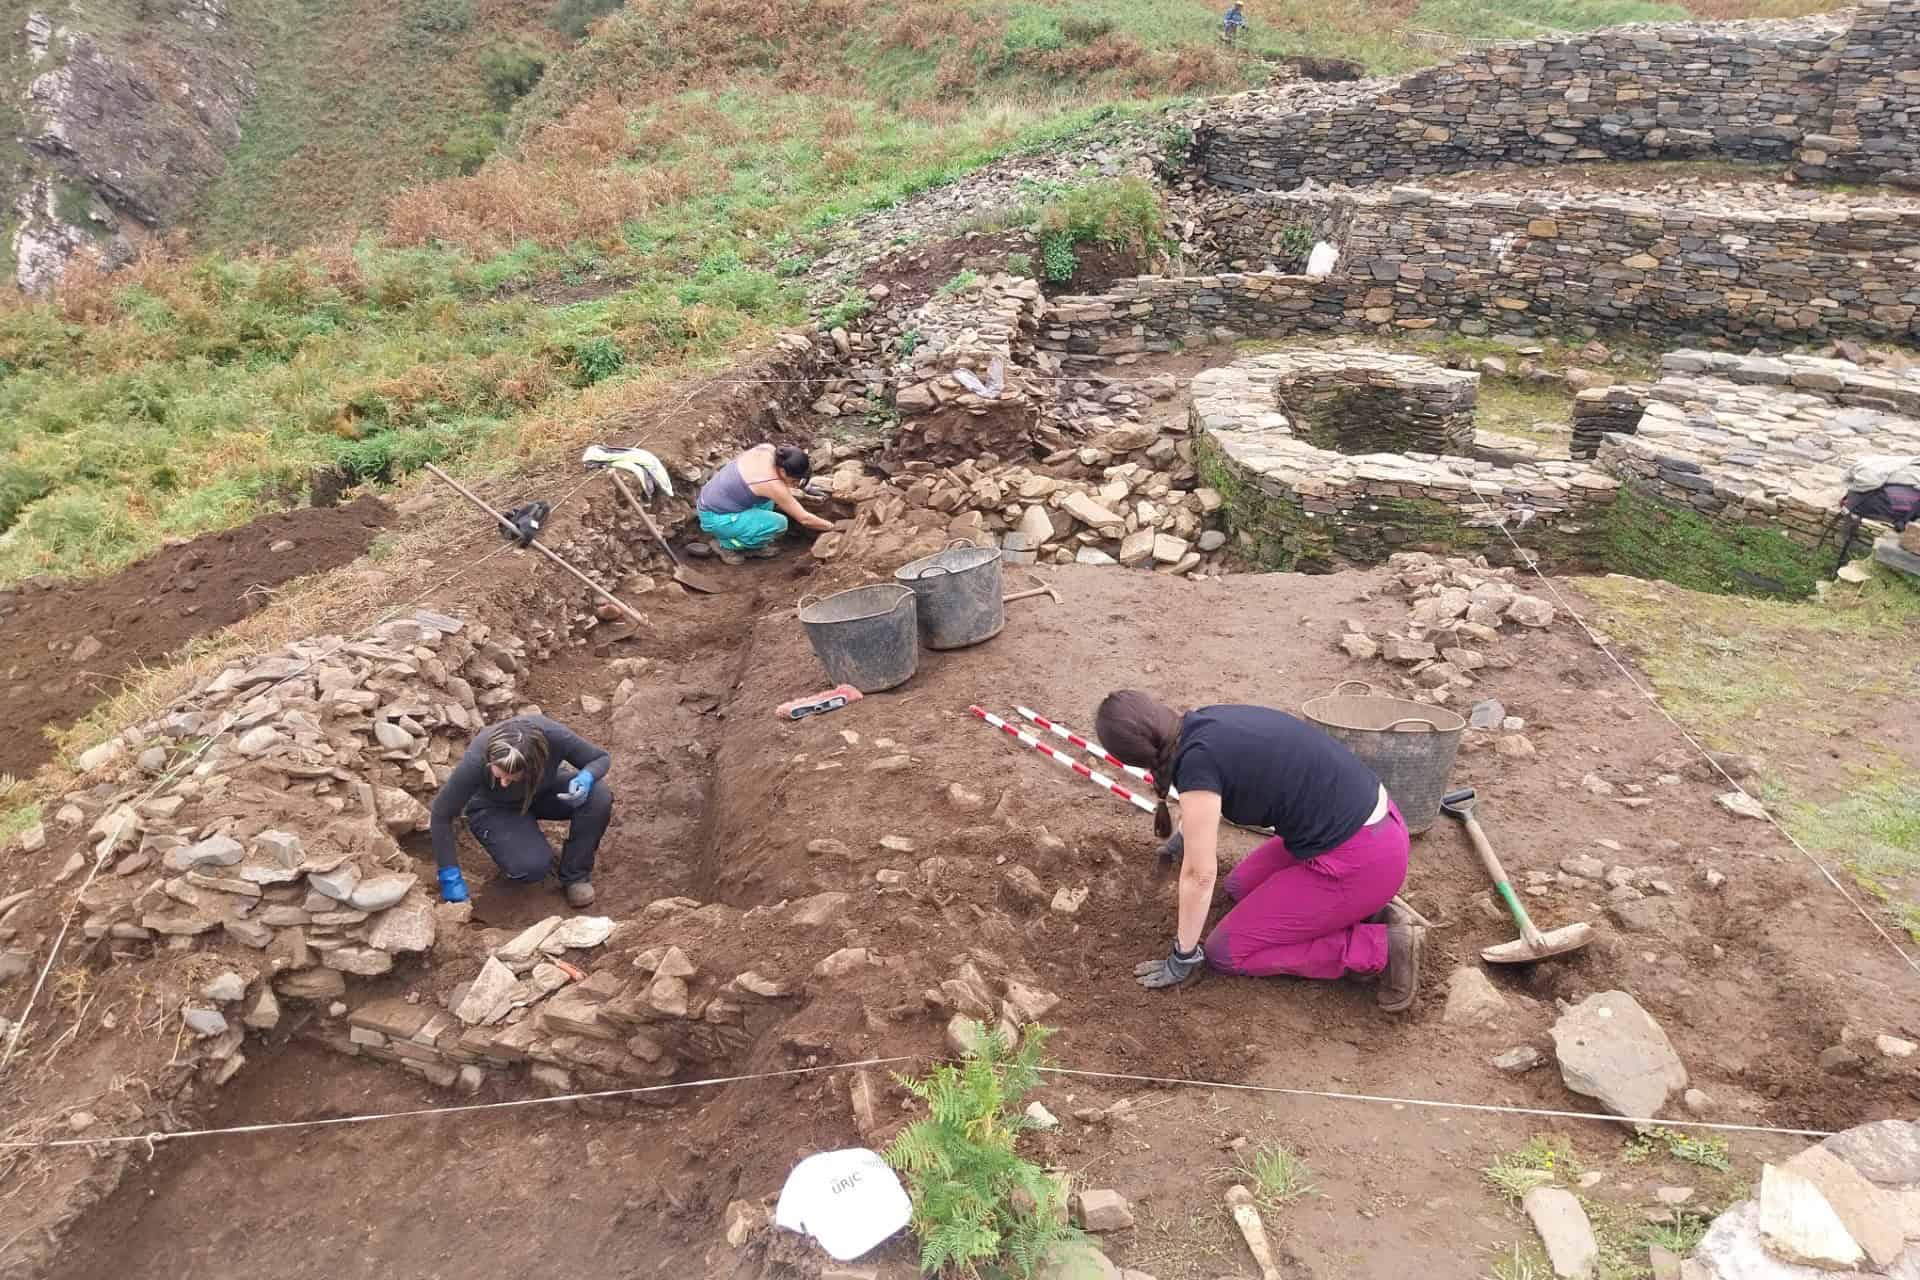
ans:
(1175, 848)
(1171, 972)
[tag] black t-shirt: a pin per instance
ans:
(1272, 770)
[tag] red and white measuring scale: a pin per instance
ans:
(1061, 758)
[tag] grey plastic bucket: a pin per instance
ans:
(1410, 745)
(959, 592)
(866, 637)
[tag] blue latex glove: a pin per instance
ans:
(453, 885)
(1172, 971)
(578, 788)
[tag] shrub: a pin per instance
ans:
(472, 141)
(1058, 261)
(1122, 213)
(574, 18)
(967, 279)
(510, 70)
(1176, 144)
(1020, 264)
(1296, 241)
(975, 1201)
(1034, 30)
(597, 359)
(432, 20)
(1082, 30)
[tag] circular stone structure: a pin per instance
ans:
(1357, 400)
(1292, 440)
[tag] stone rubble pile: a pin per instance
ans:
(1129, 495)
(1458, 608)
(276, 848)
(1850, 1205)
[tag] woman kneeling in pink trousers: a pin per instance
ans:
(1316, 900)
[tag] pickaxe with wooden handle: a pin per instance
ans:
(1044, 589)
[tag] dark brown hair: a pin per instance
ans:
(1145, 733)
(519, 748)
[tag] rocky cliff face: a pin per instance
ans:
(128, 112)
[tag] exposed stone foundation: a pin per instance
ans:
(1302, 506)
(1715, 267)
(1744, 90)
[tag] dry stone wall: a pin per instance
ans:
(1868, 135)
(1295, 504)
(1501, 262)
(1747, 91)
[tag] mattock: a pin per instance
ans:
(1044, 589)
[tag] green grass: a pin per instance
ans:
(1681, 1236)
(1520, 19)
(1541, 413)
(1276, 1176)
(1706, 1152)
(1522, 1262)
(1790, 680)
(353, 103)
(1540, 1163)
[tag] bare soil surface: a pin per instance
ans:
(719, 801)
(70, 642)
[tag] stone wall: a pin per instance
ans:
(1295, 505)
(1874, 112)
(1743, 90)
(1520, 263)
(986, 333)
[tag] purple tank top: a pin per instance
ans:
(727, 493)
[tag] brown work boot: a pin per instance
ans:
(1391, 914)
(728, 555)
(1402, 978)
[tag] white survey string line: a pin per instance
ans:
(154, 1139)
(1491, 1107)
(1648, 694)
(151, 1140)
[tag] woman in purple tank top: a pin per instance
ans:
(737, 506)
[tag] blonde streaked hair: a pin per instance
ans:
(518, 748)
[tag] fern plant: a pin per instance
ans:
(975, 1201)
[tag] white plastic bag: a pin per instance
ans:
(848, 1200)
(1320, 261)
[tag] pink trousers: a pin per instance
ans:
(1303, 918)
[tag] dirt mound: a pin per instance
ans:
(70, 642)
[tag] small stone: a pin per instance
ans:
(204, 1022)
(828, 849)
(80, 1121)
(471, 1078)
(215, 851)
(1407, 652)
(262, 1012)
(1584, 866)
(487, 995)
(1673, 1195)
(1067, 901)
(33, 839)
(897, 844)
(847, 960)
(1211, 540)
(1564, 1230)
(1798, 1225)
(590, 705)
(1515, 746)
(1697, 1102)
(1359, 646)
(281, 847)
(1530, 611)
(1041, 1118)
(1596, 784)
(891, 764)
(337, 884)
(1894, 1046)
(1025, 885)
(378, 892)
(226, 988)
(1610, 1049)
(1472, 999)
(963, 799)
(580, 933)
(1488, 714)
(1517, 1059)
(1102, 1210)
(1740, 804)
